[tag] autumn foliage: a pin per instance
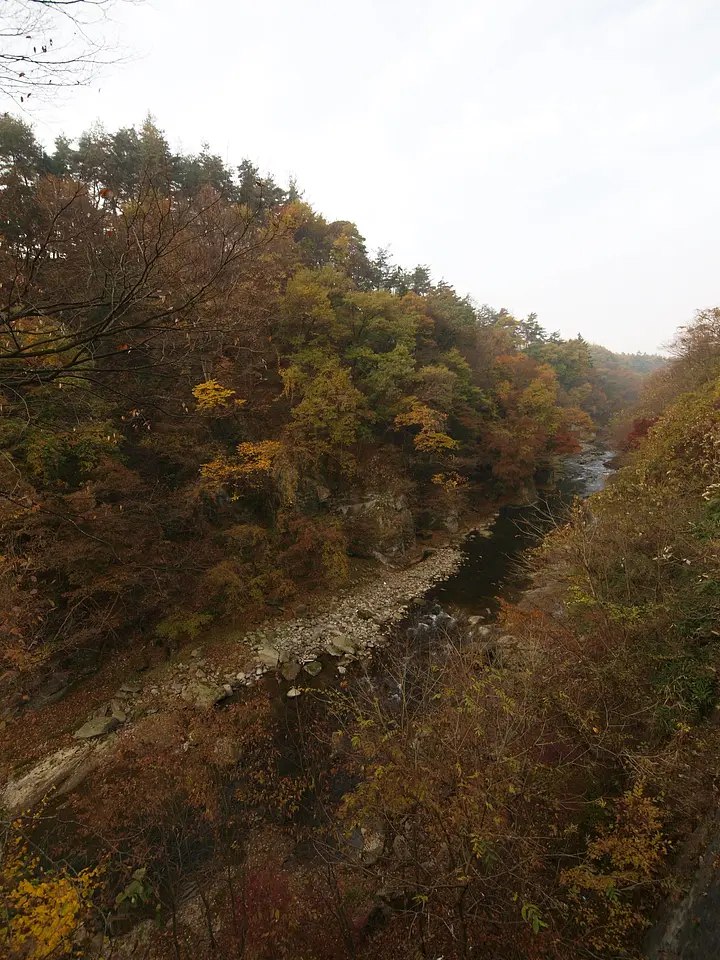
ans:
(200, 379)
(189, 349)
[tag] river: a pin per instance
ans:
(492, 571)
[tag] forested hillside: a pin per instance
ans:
(195, 366)
(544, 780)
(217, 409)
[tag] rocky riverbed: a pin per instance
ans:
(470, 570)
(356, 623)
(351, 627)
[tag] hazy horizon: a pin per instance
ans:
(558, 160)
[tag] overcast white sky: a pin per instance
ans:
(557, 156)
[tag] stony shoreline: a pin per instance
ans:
(355, 624)
(358, 619)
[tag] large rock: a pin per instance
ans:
(373, 835)
(268, 656)
(380, 526)
(343, 643)
(130, 946)
(401, 849)
(227, 752)
(451, 521)
(117, 710)
(63, 770)
(204, 696)
(290, 671)
(365, 614)
(54, 688)
(526, 494)
(97, 727)
(547, 598)
(687, 926)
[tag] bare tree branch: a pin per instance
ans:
(47, 45)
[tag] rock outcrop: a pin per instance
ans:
(380, 526)
(62, 771)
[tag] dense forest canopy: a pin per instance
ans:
(188, 352)
(243, 712)
(216, 405)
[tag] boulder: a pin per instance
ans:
(54, 688)
(129, 946)
(401, 848)
(268, 656)
(343, 643)
(63, 770)
(380, 526)
(373, 835)
(293, 692)
(117, 711)
(547, 598)
(313, 668)
(451, 522)
(227, 752)
(290, 671)
(97, 727)
(526, 494)
(203, 696)
(131, 686)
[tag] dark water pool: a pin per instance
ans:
(492, 571)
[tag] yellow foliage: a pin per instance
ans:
(422, 416)
(212, 397)
(449, 481)
(254, 464)
(430, 439)
(41, 908)
(620, 861)
(433, 441)
(259, 456)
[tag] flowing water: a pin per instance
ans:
(491, 571)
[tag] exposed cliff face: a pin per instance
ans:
(687, 927)
(381, 525)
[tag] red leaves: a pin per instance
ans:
(640, 428)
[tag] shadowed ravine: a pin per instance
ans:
(490, 572)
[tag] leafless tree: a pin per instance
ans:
(90, 289)
(51, 44)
